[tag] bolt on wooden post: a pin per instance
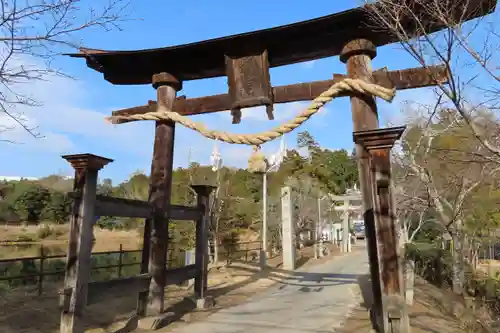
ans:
(77, 272)
(201, 252)
(41, 276)
(378, 144)
(155, 241)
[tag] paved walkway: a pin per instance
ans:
(315, 301)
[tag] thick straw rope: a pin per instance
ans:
(346, 87)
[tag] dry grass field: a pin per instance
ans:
(56, 237)
(23, 312)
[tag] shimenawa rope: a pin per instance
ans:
(346, 87)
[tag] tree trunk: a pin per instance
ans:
(458, 273)
(409, 279)
(475, 257)
(216, 248)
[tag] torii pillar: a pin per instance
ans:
(392, 314)
(357, 55)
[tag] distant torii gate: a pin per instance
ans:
(346, 208)
(245, 59)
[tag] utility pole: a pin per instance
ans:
(318, 251)
(264, 218)
(276, 161)
(316, 233)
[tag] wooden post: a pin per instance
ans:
(77, 273)
(156, 229)
(40, 276)
(142, 297)
(378, 144)
(120, 261)
(201, 251)
(357, 54)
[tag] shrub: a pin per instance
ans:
(431, 262)
(44, 231)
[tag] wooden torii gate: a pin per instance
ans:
(246, 59)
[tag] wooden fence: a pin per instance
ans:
(230, 251)
(36, 269)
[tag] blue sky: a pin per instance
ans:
(73, 111)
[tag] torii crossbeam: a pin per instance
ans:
(246, 59)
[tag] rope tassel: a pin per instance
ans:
(257, 162)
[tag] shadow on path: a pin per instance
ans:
(315, 301)
(365, 285)
(283, 279)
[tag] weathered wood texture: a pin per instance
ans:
(77, 272)
(160, 192)
(378, 143)
(201, 252)
(181, 274)
(120, 207)
(364, 117)
(142, 296)
(303, 41)
(100, 291)
(399, 79)
(249, 83)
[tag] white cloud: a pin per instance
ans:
(59, 119)
(67, 126)
(309, 64)
(47, 141)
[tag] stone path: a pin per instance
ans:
(316, 300)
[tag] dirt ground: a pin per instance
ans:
(22, 312)
(434, 311)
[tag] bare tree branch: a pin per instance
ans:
(463, 48)
(33, 34)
